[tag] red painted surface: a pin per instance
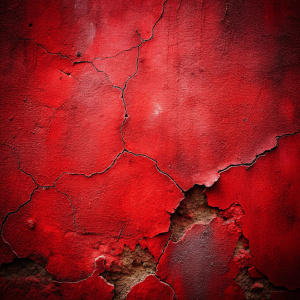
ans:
(89, 28)
(156, 244)
(72, 122)
(151, 289)
(53, 240)
(70, 241)
(193, 86)
(130, 201)
(209, 91)
(15, 185)
(269, 194)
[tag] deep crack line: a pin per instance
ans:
(17, 210)
(170, 285)
(158, 169)
(162, 14)
(164, 249)
(258, 155)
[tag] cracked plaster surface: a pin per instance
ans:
(112, 111)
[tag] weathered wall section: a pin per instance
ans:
(150, 149)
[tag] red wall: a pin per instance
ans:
(123, 121)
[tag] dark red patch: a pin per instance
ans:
(198, 266)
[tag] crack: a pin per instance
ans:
(77, 62)
(50, 53)
(121, 129)
(258, 155)
(112, 164)
(25, 203)
(107, 57)
(163, 11)
(122, 96)
(170, 285)
(173, 280)
(137, 68)
(120, 234)
(257, 99)
(50, 121)
(66, 73)
(13, 212)
(19, 163)
(106, 75)
(159, 170)
(88, 176)
(73, 208)
(137, 32)
(125, 85)
(116, 55)
(165, 246)
(37, 186)
(12, 250)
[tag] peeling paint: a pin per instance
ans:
(149, 149)
(268, 191)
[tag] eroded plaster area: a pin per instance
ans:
(149, 149)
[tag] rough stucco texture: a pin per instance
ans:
(150, 149)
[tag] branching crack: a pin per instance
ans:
(137, 67)
(114, 86)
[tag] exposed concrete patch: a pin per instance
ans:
(192, 209)
(22, 268)
(135, 267)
